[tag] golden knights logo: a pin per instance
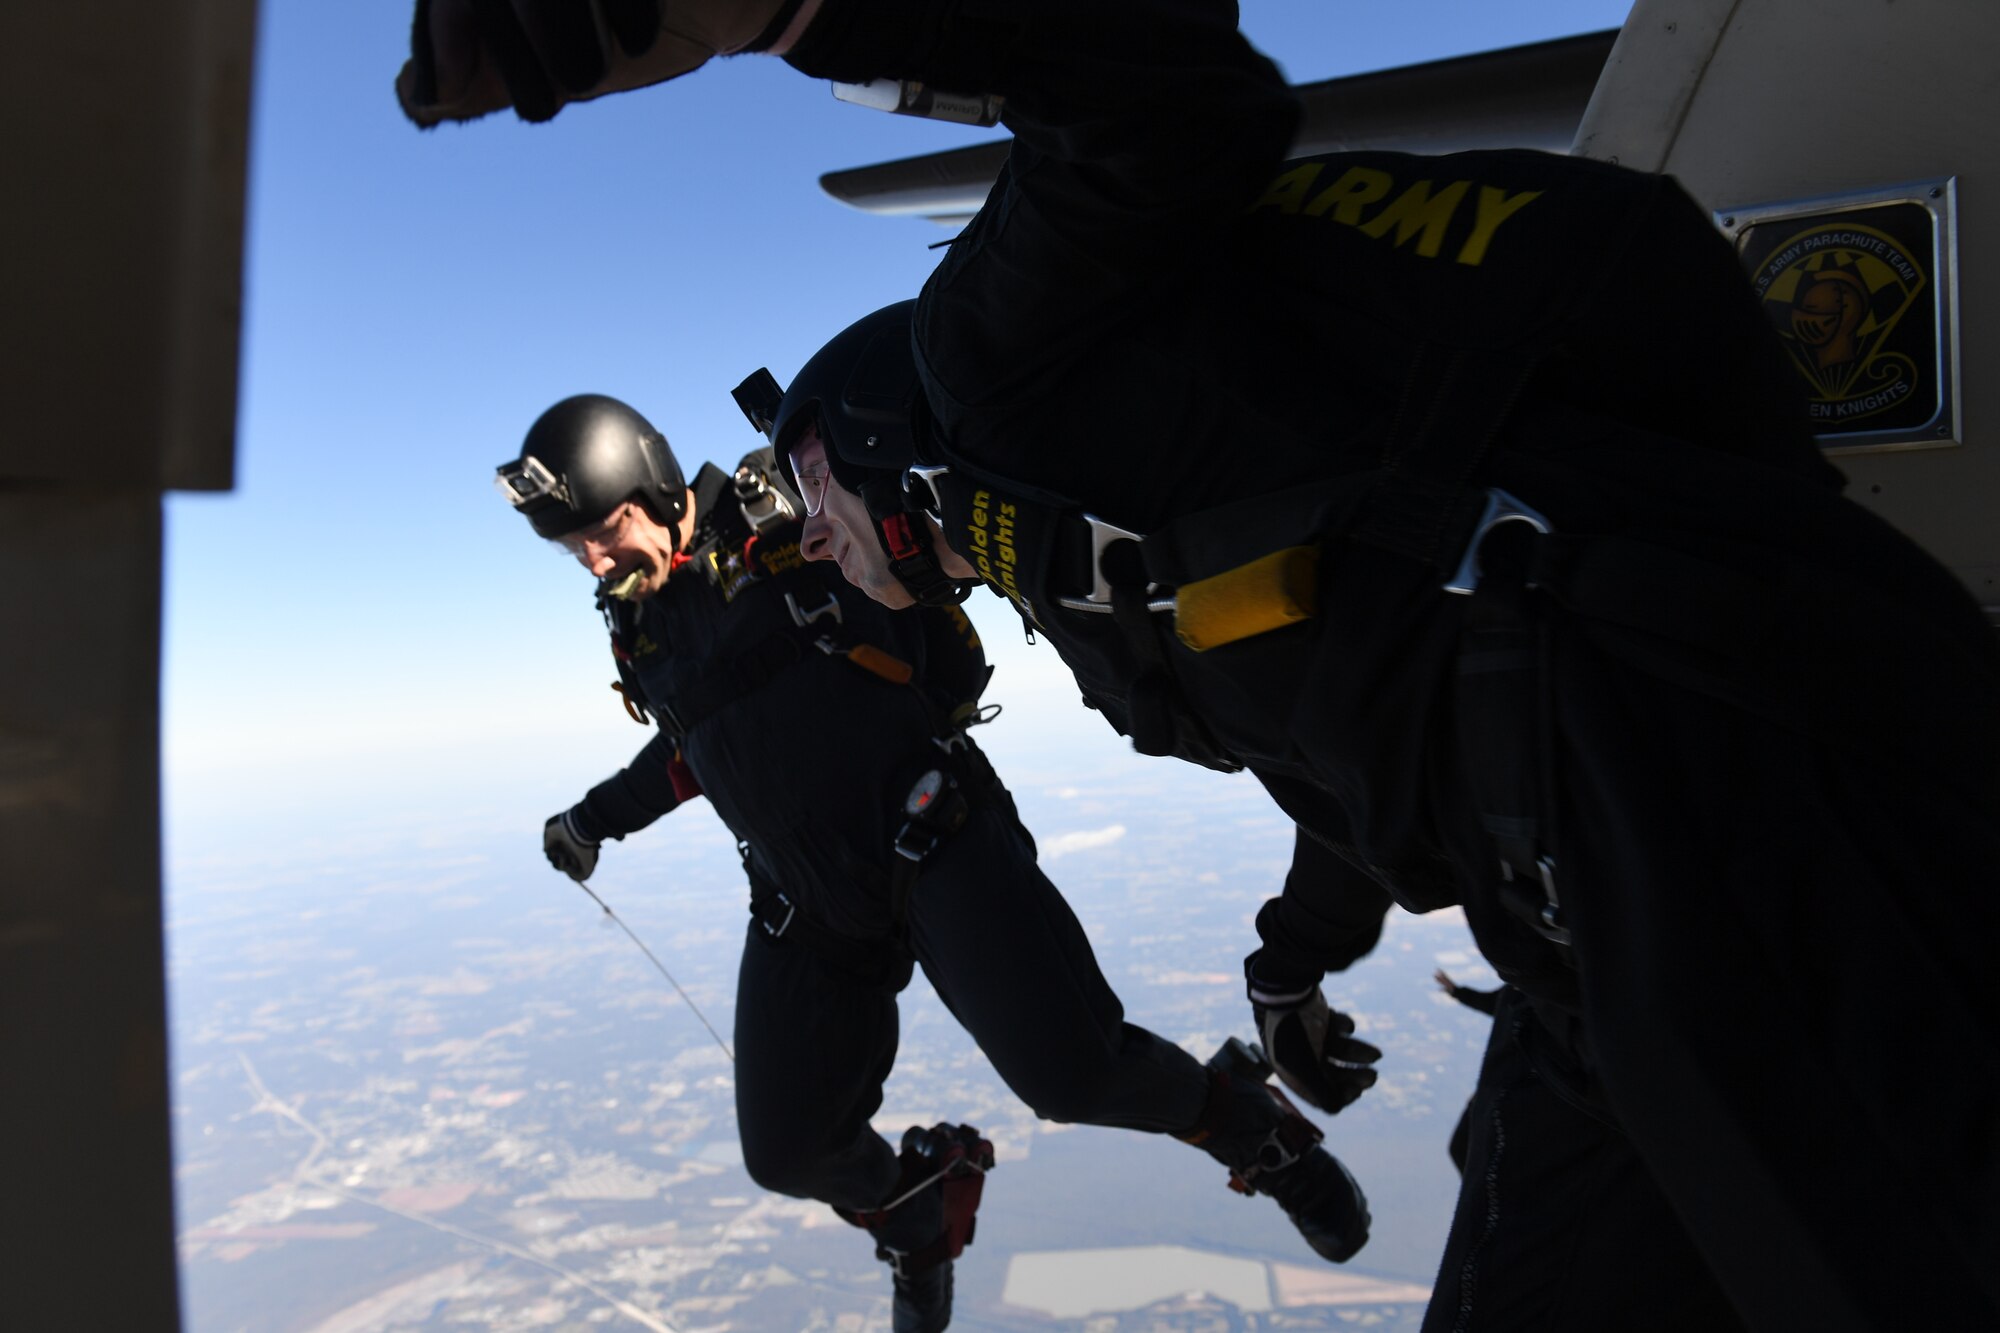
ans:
(1853, 299)
(727, 571)
(1837, 293)
(732, 570)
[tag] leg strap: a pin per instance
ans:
(1504, 720)
(866, 962)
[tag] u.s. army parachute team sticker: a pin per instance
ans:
(1855, 296)
(1837, 293)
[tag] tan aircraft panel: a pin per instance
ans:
(1758, 101)
(126, 149)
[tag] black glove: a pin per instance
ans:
(471, 57)
(567, 849)
(1312, 1047)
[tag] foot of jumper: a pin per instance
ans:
(1251, 1127)
(928, 1220)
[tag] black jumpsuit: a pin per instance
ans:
(807, 757)
(1771, 722)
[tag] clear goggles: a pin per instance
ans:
(607, 531)
(813, 484)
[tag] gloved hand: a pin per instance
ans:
(471, 57)
(568, 850)
(1312, 1047)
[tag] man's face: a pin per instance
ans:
(627, 541)
(841, 530)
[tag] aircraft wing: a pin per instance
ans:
(1519, 97)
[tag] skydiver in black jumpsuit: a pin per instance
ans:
(1718, 741)
(1709, 755)
(806, 713)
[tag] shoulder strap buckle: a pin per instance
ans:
(1500, 508)
(772, 911)
(802, 617)
(1098, 599)
(1548, 916)
(928, 474)
(762, 504)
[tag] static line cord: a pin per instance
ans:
(924, 1184)
(688, 999)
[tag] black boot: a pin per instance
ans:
(1253, 1129)
(922, 1301)
(927, 1220)
(1323, 1200)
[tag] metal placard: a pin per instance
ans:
(1861, 289)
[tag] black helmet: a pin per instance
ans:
(861, 390)
(586, 456)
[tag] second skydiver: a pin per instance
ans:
(830, 735)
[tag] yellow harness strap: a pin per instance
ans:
(892, 669)
(1268, 593)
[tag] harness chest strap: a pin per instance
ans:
(755, 667)
(1260, 588)
(749, 672)
(620, 622)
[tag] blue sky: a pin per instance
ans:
(362, 627)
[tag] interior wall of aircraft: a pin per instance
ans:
(122, 238)
(1848, 146)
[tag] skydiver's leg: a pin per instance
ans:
(1560, 1228)
(1008, 957)
(1011, 962)
(813, 1049)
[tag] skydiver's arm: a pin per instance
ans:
(632, 798)
(1142, 129)
(1485, 1001)
(470, 57)
(1329, 915)
(1328, 918)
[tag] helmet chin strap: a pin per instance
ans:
(906, 540)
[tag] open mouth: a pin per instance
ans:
(629, 583)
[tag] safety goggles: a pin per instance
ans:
(526, 482)
(813, 484)
(604, 533)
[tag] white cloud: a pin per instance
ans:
(1081, 841)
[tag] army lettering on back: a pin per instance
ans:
(1419, 211)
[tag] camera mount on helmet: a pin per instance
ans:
(860, 392)
(583, 458)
